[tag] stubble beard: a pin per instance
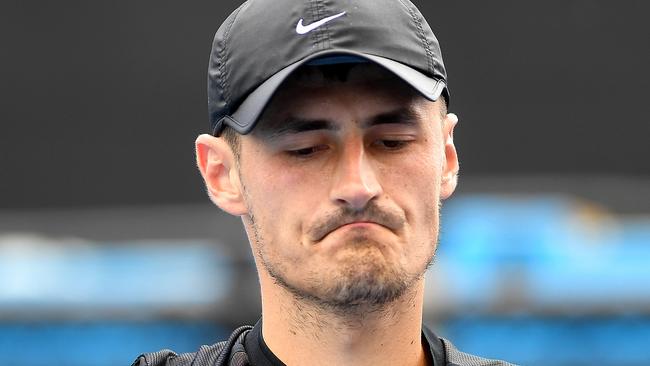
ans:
(358, 286)
(360, 283)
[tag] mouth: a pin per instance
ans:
(352, 225)
(388, 218)
(357, 224)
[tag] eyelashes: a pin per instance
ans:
(381, 145)
(306, 151)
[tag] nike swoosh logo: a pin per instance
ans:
(303, 29)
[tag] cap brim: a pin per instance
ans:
(243, 120)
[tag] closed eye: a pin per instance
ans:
(391, 144)
(306, 151)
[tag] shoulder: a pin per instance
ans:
(459, 358)
(225, 353)
(445, 353)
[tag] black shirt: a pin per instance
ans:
(246, 347)
(259, 354)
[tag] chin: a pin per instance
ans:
(363, 274)
(362, 277)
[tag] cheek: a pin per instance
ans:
(429, 191)
(278, 193)
(415, 187)
(289, 186)
(419, 176)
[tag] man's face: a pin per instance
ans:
(342, 184)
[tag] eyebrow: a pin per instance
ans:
(406, 116)
(291, 125)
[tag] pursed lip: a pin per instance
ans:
(348, 223)
(356, 222)
(389, 218)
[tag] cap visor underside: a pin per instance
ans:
(244, 118)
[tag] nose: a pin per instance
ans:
(355, 181)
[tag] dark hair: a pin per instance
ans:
(232, 139)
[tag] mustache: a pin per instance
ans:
(392, 219)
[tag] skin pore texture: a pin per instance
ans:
(339, 188)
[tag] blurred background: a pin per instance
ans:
(109, 246)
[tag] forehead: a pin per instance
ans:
(317, 91)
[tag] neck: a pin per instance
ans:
(299, 332)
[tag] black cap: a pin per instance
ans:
(263, 41)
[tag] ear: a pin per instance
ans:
(217, 165)
(450, 165)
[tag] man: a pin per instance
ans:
(331, 139)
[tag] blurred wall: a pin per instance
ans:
(101, 101)
(544, 246)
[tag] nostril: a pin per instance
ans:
(356, 194)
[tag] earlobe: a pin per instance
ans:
(216, 163)
(450, 166)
